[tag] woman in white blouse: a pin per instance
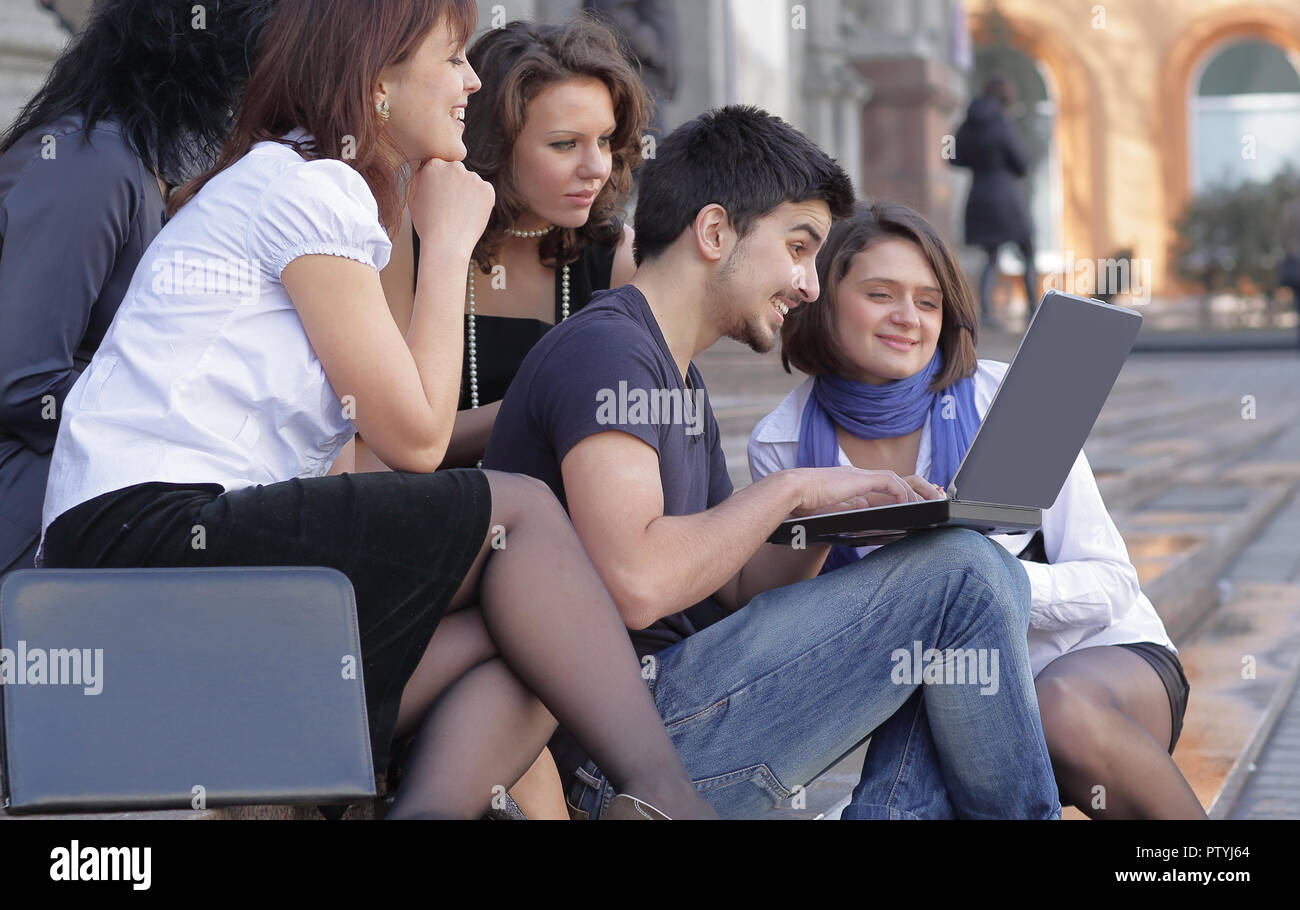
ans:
(894, 384)
(255, 340)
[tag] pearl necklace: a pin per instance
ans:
(471, 335)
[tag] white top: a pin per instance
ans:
(1086, 595)
(206, 374)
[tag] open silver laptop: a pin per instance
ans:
(1029, 439)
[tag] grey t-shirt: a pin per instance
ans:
(609, 368)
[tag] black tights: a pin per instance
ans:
(1106, 720)
(558, 635)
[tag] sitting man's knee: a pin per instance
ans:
(977, 556)
(971, 550)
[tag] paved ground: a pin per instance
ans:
(1273, 790)
(1270, 783)
(1198, 456)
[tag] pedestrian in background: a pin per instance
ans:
(996, 212)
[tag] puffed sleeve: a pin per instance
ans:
(321, 207)
(65, 221)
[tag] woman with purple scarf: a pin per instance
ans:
(894, 384)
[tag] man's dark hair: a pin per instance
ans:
(741, 158)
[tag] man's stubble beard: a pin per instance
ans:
(729, 316)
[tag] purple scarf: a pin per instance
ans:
(888, 411)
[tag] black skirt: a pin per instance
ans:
(406, 541)
(1170, 670)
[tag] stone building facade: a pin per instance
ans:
(1133, 104)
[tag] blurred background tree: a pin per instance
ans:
(1228, 236)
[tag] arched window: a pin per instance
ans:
(1244, 115)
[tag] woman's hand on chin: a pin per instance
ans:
(450, 203)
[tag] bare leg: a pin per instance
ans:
(1106, 721)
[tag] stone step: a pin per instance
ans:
(1200, 546)
(1150, 470)
(1230, 712)
(1271, 772)
(737, 415)
(1153, 416)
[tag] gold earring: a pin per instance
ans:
(382, 108)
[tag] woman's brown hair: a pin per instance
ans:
(515, 63)
(317, 70)
(808, 336)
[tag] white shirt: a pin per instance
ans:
(205, 374)
(1085, 596)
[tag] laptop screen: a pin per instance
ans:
(1045, 408)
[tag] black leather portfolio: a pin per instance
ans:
(181, 688)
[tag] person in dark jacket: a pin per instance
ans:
(995, 210)
(139, 101)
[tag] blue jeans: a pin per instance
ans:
(902, 777)
(764, 701)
